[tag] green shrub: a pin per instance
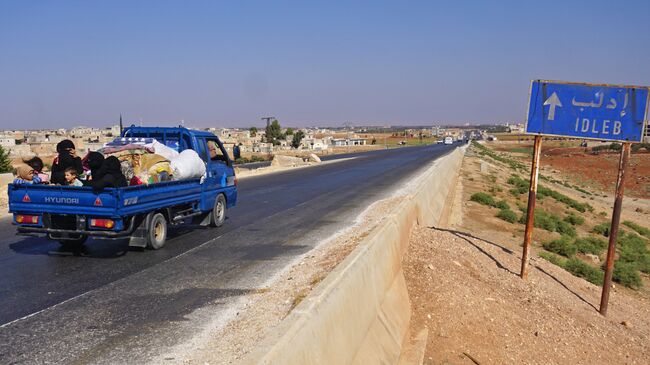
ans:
(592, 245)
(574, 219)
(484, 151)
(553, 258)
(562, 246)
(637, 146)
(645, 232)
(612, 146)
(483, 198)
(5, 161)
(501, 204)
(494, 190)
(581, 190)
(521, 186)
(565, 229)
(521, 206)
(581, 269)
(602, 229)
(543, 191)
(507, 215)
(634, 249)
(546, 221)
(626, 274)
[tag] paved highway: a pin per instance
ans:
(111, 304)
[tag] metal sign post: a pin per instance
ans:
(613, 232)
(587, 111)
(530, 211)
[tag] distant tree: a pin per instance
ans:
(19, 141)
(5, 164)
(374, 141)
(297, 138)
(253, 131)
(274, 132)
(289, 131)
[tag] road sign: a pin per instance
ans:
(604, 112)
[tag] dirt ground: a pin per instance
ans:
(464, 285)
(466, 291)
(592, 171)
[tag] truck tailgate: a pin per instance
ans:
(28, 198)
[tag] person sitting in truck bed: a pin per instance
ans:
(105, 173)
(67, 158)
(39, 176)
(24, 175)
(71, 177)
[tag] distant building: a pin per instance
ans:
(342, 142)
(316, 144)
(21, 150)
(7, 141)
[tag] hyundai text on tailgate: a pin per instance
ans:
(140, 212)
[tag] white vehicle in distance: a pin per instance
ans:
(449, 140)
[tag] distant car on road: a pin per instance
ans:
(449, 140)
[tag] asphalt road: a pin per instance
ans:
(111, 304)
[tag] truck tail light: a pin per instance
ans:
(26, 219)
(102, 223)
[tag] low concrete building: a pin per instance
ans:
(315, 144)
(341, 142)
(7, 141)
(20, 150)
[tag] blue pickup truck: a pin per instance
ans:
(141, 213)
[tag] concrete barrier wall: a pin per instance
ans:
(360, 313)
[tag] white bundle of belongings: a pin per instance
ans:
(147, 161)
(187, 165)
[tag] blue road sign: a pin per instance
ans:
(604, 112)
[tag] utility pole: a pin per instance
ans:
(268, 124)
(268, 120)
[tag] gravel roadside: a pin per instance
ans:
(466, 291)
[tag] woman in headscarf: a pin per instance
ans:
(109, 175)
(67, 158)
(24, 175)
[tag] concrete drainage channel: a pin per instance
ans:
(360, 313)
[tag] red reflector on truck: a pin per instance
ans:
(102, 223)
(27, 219)
(26, 199)
(98, 202)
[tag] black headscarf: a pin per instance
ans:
(63, 161)
(64, 146)
(109, 175)
(35, 163)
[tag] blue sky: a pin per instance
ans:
(228, 63)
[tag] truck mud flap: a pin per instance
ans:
(139, 236)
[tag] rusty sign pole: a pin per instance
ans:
(530, 212)
(613, 231)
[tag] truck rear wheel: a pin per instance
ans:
(218, 215)
(157, 231)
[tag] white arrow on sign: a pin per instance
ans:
(553, 101)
